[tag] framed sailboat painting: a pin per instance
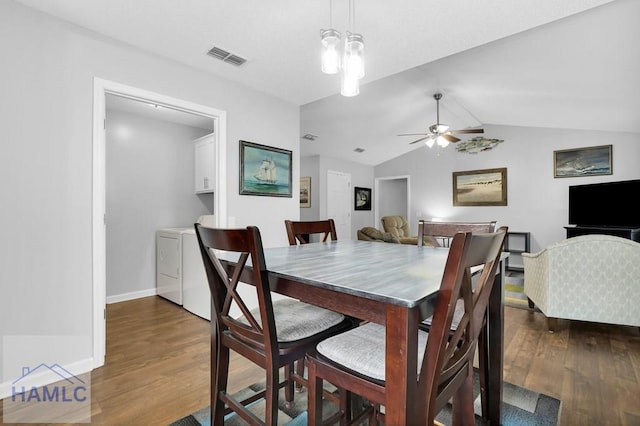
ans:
(264, 170)
(589, 161)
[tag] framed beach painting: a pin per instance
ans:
(305, 191)
(264, 170)
(590, 161)
(480, 187)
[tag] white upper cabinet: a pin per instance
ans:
(205, 163)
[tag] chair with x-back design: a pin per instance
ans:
(273, 335)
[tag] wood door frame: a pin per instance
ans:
(101, 88)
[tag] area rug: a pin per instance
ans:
(521, 407)
(514, 290)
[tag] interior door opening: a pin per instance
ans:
(101, 89)
(392, 197)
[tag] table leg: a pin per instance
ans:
(401, 365)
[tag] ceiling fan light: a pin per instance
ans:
(330, 59)
(354, 55)
(443, 142)
(350, 86)
(429, 142)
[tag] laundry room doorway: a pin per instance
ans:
(106, 92)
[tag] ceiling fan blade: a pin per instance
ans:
(419, 140)
(467, 131)
(414, 134)
(450, 138)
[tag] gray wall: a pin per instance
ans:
(392, 198)
(310, 166)
(537, 202)
(361, 176)
(149, 185)
(48, 70)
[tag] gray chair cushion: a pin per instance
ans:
(457, 316)
(296, 320)
(361, 349)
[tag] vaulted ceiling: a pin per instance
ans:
(580, 72)
(548, 63)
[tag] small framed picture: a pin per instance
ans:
(305, 191)
(591, 161)
(362, 198)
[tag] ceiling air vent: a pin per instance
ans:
(225, 56)
(359, 150)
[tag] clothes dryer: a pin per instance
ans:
(169, 261)
(180, 274)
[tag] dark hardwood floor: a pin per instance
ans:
(157, 366)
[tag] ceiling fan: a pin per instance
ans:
(439, 132)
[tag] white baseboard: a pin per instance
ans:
(133, 295)
(44, 377)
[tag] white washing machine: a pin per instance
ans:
(180, 274)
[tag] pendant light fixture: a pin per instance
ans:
(352, 64)
(330, 51)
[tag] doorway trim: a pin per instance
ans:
(101, 88)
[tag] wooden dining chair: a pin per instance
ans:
(299, 232)
(355, 359)
(449, 229)
(273, 335)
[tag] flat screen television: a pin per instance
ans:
(610, 204)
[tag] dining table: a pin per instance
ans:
(395, 285)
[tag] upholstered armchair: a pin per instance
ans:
(398, 226)
(588, 278)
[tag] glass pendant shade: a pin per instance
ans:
(350, 85)
(353, 63)
(330, 51)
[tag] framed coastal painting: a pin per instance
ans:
(486, 187)
(362, 198)
(305, 191)
(590, 161)
(264, 170)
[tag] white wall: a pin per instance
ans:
(149, 185)
(537, 202)
(48, 69)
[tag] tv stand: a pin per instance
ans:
(630, 233)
